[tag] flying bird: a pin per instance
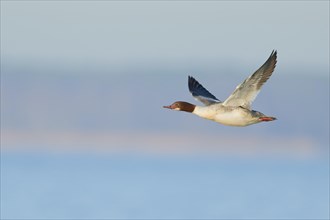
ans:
(236, 109)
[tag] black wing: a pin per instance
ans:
(200, 93)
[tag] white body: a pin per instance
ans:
(233, 116)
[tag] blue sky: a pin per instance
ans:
(160, 43)
(218, 42)
(114, 34)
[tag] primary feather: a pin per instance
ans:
(200, 93)
(246, 92)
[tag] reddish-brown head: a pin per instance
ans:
(181, 106)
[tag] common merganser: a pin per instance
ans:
(236, 109)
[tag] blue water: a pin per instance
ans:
(113, 186)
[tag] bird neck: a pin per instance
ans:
(187, 107)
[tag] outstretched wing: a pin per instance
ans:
(200, 93)
(247, 91)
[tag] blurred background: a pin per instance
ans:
(84, 134)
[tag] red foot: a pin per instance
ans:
(267, 118)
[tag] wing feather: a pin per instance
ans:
(247, 91)
(200, 93)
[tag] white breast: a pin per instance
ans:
(232, 117)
